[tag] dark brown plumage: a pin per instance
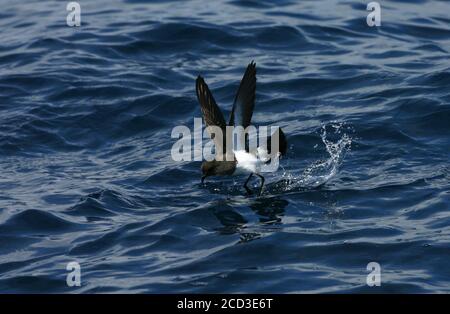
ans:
(241, 115)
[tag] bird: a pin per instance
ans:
(241, 161)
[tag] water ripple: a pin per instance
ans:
(85, 139)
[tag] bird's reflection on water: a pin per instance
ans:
(270, 209)
(235, 217)
(251, 216)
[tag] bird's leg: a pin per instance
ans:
(262, 183)
(245, 184)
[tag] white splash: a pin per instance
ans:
(321, 171)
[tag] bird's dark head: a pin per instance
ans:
(217, 168)
(209, 168)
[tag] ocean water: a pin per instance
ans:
(86, 175)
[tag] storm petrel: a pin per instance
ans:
(242, 161)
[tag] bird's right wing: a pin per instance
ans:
(211, 113)
(244, 103)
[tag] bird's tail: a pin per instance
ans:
(282, 142)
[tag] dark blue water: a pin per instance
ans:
(86, 175)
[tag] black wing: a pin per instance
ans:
(211, 112)
(244, 103)
(282, 142)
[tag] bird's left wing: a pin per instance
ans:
(211, 113)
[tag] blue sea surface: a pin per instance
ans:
(86, 174)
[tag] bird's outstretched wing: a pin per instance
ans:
(211, 112)
(244, 103)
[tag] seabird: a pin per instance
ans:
(242, 161)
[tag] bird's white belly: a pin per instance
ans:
(246, 163)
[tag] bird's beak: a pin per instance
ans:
(203, 179)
